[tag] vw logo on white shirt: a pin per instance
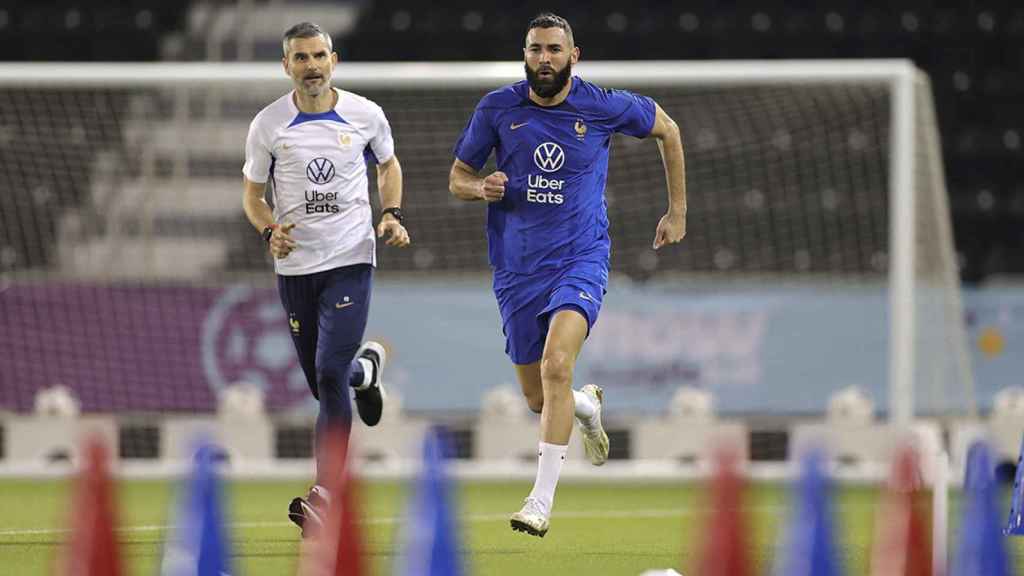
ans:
(549, 157)
(320, 171)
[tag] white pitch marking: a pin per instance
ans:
(497, 517)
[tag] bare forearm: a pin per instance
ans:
(389, 184)
(670, 144)
(464, 185)
(674, 160)
(256, 208)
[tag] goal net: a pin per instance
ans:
(813, 187)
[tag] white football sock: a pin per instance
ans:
(367, 374)
(549, 467)
(584, 409)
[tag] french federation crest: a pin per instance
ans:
(581, 128)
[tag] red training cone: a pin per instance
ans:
(338, 550)
(903, 544)
(92, 549)
(724, 551)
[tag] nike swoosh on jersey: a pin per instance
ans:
(515, 126)
(586, 297)
(339, 305)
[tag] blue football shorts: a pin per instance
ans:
(527, 302)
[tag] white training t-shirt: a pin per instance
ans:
(318, 169)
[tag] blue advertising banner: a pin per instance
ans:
(759, 349)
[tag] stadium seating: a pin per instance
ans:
(39, 442)
(855, 443)
(86, 31)
(976, 85)
(1003, 429)
(504, 437)
(51, 436)
(241, 428)
(506, 431)
(395, 441)
(243, 439)
(689, 433)
(682, 442)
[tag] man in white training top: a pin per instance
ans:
(312, 147)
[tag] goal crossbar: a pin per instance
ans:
(463, 74)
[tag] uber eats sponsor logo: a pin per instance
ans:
(549, 157)
(321, 171)
(318, 202)
(542, 190)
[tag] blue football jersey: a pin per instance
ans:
(556, 160)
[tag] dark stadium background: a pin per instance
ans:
(973, 51)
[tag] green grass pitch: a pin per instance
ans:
(597, 529)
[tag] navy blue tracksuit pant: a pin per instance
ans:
(327, 314)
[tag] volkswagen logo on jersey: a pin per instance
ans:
(321, 171)
(549, 157)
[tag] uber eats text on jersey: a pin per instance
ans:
(540, 189)
(317, 202)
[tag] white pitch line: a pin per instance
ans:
(387, 520)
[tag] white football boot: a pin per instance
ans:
(595, 441)
(532, 518)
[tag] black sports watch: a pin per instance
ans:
(394, 211)
(268, 232)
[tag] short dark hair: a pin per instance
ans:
(550, 20)
(306, 30)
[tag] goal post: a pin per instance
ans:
(795, 168)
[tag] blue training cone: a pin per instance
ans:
(1015, 523)
(199, 545)
(981, 549)
(432, 543)
(810, 547)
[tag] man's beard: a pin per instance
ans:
(548, 88)
(315, 90)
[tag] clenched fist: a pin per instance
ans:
(492, 188)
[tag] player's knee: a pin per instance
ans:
(556, 371)
(337, 367)
(328, 383)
